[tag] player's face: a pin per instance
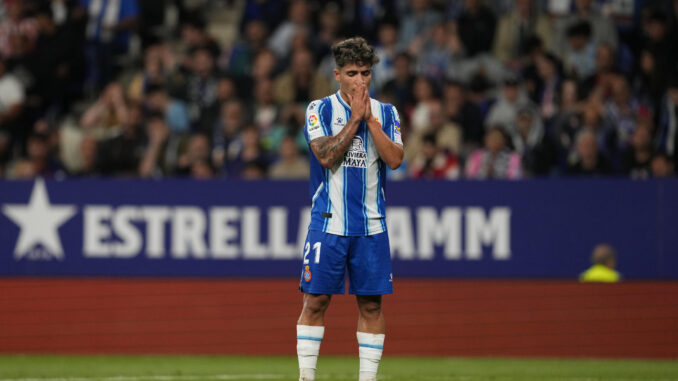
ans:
(352, 75)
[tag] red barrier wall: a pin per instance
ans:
(424, 317)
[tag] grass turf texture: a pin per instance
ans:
(190, 368)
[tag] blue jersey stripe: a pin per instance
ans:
(366, 220)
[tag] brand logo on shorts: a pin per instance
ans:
(307, 274)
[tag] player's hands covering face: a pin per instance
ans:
(360, 103)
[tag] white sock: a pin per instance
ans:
(308, 345)
(370, 346)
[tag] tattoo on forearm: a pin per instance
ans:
(331, 148)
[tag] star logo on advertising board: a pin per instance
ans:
(39, 222)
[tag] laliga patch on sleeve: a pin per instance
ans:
(397, 137)
(313, 123)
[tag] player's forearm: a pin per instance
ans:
(389, 151)
(330, 150)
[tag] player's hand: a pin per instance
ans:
(357, 96)
(368, 104)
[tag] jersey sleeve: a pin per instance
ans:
(315, 127)
(392, 129)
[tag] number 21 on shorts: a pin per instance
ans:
(307, 249)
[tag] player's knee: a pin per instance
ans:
(370, 308)
(316, 304)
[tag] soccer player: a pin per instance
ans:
(352, 138)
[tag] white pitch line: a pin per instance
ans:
(217, 377)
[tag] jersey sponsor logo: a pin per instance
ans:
(356, 155)
(307, 274)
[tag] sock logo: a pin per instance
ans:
(307, 274)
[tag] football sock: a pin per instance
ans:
(308, 345)
(370, 346)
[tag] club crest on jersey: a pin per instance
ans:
(356, 155)
(307, 274)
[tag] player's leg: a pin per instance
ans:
(310, 332)
(370, 277)
(323, 273)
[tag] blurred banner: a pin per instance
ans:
(525, 229)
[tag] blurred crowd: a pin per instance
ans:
(504, 89)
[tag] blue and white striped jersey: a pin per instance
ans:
(349, 199)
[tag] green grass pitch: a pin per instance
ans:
(208, 368)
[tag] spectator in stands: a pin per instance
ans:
(401, 87)
(495, 161)
(201, 91)
(159, 157)
(588, 161)
(448, 135)
(568, 121)
(246, 155)
(242, 55)
(233, 118)
(416, 23)
(298, 20)
(661, 166)
(108, 35)
(602, 28)
(464, 113)
(425, 93)
(12, 98)
(264, 109)
(605, 67)
(43, 161)
(121, 154)
(386, 49)
(440, 53)
(649, 83)
(55, 65)
(329, 29)
(529, 139)
(579, 55)
(548, 86)
(301, 82)
(290, 164)
(636, 158)
(17, 32)
(505, 109)
(476, 26)
(433, 162)
(109, 111)
(173, 110)
(621, 111)
(159, 64)
(514, 31)
(604, 259)
(264, 66)
(88, 155)
(656, 37)
(668, 121)
(195, 160)
(194, 35)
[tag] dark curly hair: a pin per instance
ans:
(354, 51)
